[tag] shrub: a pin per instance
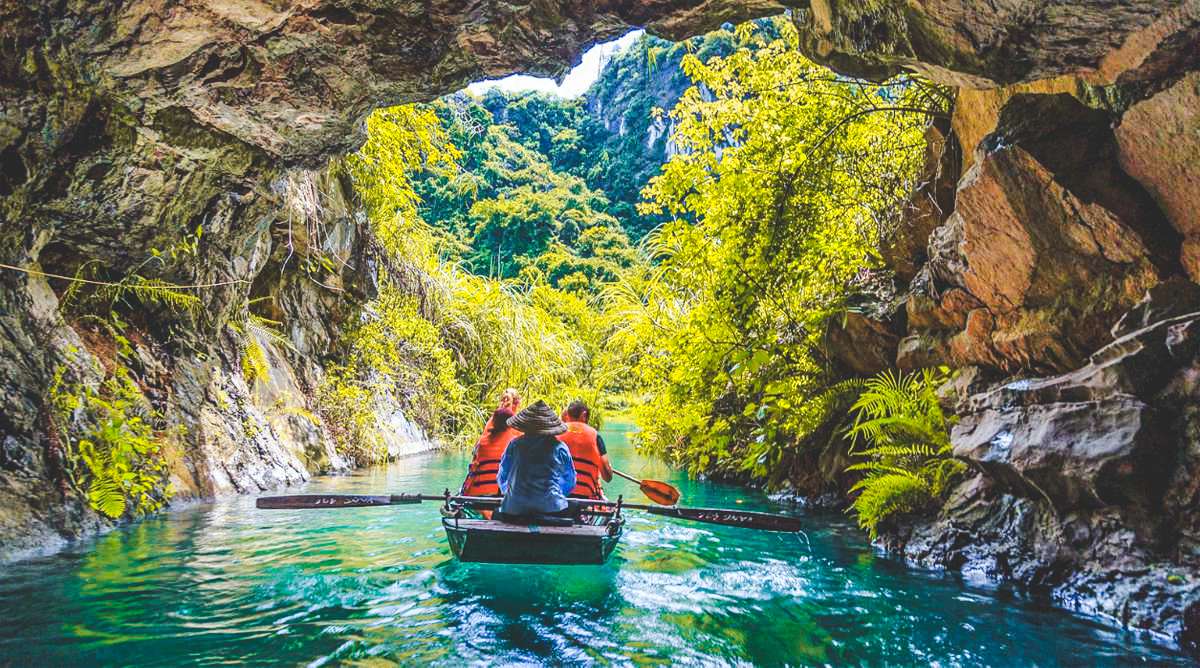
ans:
(113, 451)
(905, 446)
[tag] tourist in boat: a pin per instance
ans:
(587, 452)
(510, 400)
(485, 460)
(536, 473)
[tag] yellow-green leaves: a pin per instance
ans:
(401, 141)
(113, 455)
(443, 342)
(786, 178)
(902, 446)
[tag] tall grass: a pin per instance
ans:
(441, 340)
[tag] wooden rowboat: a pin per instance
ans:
(588, 541)
(475, 535)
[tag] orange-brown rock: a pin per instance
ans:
(1049, 238)
(860, 344)
(930, 203)
(1159, 140)
(976, 111)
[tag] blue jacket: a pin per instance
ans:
(536, 475)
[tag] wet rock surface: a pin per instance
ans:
(1084, 485)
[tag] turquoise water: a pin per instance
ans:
(226, 583)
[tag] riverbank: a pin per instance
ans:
(225, 581)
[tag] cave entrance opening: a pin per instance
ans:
(683, 240)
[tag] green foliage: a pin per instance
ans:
(254, 361)
(126, 294)
(394, 354)
(402, 141)
(94, 292)
(112, 450)
(254, 331)
(443, 342)
(788, 177)
(900, 434)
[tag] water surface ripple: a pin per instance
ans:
(226, 583)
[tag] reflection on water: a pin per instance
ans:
(228, 583)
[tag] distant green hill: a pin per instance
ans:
(549, 184)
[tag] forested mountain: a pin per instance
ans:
(550, 185)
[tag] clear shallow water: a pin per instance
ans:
(226, 583)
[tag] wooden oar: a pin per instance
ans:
(655, 490)
(298, 501)
(736, 518)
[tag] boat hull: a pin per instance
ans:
(494, 542)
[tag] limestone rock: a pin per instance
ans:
(977, 111)
(1159, 140)
(861, 345)
(1049, 242)
(1088, 484)
(930, 204)
(983, 44)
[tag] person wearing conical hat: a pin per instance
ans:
(536, 472)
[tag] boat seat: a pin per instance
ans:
(540, 520)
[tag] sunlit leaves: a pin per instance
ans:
(902, 446)
(441, 341)
(788, 177)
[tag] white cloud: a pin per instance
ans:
(577, 80)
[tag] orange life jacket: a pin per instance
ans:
(580, 439)
(481, 476)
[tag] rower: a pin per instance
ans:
(536, 472)
(587, 452)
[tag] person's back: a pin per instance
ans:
(536, 473)
(489, 449)
(587, 452)
(582, 442)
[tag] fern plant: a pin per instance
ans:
(257, 333)
(114, 455)
(901, 436)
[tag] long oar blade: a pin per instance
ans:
(660, 492)
(734, 518)
(296, 501)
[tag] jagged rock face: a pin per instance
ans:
(983, 44)
(226, 431)
(931, 202)
(1087, 481)
(294, 78)
(1049, 242)
(1159, 141)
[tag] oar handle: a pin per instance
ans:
(338, 500)
(627, 476)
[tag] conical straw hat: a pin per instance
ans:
(538, 418)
